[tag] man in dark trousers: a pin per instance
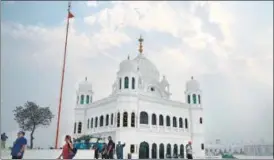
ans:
(96, 149)
(189, 150)
(119, 150)
(104, 151)
(110, 148)
(3, 140)
(19, 146)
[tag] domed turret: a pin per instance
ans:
(128, 66)
(126, 76)
(192, 85)
(164, 83)
(85, 85)
(193, 95)
(84, 93)
(165, 87)
(193, 92)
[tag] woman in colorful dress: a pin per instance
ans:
(67, 152)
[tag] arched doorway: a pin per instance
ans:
(175, 151)
(154, 151)
(162, 151)
(144, 150)
(168, 151)
(182, 154)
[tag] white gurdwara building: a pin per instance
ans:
(140, 113)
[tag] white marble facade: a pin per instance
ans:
(139, 112)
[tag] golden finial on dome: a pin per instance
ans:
(141, 44)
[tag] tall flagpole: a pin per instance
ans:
(62, 79)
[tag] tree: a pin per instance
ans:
(31, 116)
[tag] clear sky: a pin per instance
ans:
(226, 46)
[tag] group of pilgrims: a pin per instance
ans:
(107, 150)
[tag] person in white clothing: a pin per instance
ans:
(189, 150)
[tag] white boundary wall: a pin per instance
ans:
(89, 154)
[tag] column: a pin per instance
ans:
(149, 120)
(129, 120)
(178, 123)
(121, 118)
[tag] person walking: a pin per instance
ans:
(67, 151)
(110, 148)
(96, 149)
(19, 146)
(104, 151)
(189, 150)
(3, 140)
(119, 150)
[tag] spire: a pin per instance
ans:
(141, 44)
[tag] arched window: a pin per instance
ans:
(174, 122)
(154, 119)
(194, 98)
(111, 120)
(101, 121)
(125, 119)
(132, 119)
(74, 127)
(96, 122)
(188, 99)
(91, 123)
(77, 100)
(87, 99)
(120, 83)
(175, 150)
(126, 82)
(168, 121)
(143, 118)
(90, 99)
(180, 123)
(79, 127)
(154, 151)
(107, 119)
(88, 124)
(168, 150)
(82, 99)
(182, 155)
(199, 99)
(132, 148)
(161, 120)
(202, 146)
(118, 119)
(201, 120)
(162, 151)
(133, 83)
(186, 124)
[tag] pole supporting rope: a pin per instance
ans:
(62, 79)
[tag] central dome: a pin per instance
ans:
(148, 70)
